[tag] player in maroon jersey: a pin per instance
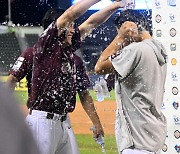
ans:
(55, 79)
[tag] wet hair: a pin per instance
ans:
(134, 16)
(51, 15)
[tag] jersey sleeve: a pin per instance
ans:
(125, 61)
(46, 41)
(23, 65)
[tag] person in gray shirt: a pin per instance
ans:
(15, 136)
(140, 70)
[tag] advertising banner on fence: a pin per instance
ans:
(166, 28)
(20, 86)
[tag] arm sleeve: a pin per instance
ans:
(23, 64)
(125, 61)
(45, 43)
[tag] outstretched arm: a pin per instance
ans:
(104, 65)
(88, 105)
(74, 12)
(98, 18)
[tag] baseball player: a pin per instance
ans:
(140, 78)
(55, 80)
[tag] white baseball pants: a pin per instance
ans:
(52, 136)
(136, 151)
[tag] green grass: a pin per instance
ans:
(87, 144)
(23, 95)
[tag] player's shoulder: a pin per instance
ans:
(137, 46)
(29, 52)
(77, 58)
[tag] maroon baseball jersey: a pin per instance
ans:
(56, 78)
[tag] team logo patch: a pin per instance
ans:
(164, 148)
(116, 54)
(158, 18)
(173, 32)
(177, 134)
(175, 90)
(18, 64)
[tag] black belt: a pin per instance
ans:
(54, 116)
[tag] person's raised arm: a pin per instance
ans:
(104, 65)
(74, 12)
(126, 35)
(98, 18)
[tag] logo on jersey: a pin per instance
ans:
(66, 68)
(18, 64)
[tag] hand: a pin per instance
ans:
(129, 32)
(97, 130)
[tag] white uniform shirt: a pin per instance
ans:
(141, 72)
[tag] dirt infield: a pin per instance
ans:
(81, 122)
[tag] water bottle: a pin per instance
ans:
(99, 91)
(105, 90)
(99, 140)
(130, 4)
(127, 4)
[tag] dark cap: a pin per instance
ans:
(134, 16)
(51, 15)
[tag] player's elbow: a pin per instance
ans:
(72, 14)
(98, 69)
